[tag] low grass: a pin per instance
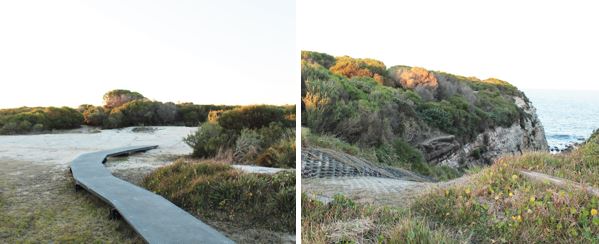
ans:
(496, 205)
(219, 192)
(61, 216)
(580, 165)
(500, 206)
(344, 221)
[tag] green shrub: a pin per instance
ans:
(279, 155)
(320, 58)
(63, 118)
(351, 67)
(191, 114)
(25, 119)
(209, 139)
(217, 191)
(252, 117)
(94, 116)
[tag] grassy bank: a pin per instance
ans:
(581, 165)
(501, 206)
(496, 205)
(344, 221)
(218, 192)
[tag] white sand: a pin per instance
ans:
(59, 149)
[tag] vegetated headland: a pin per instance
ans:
(408, 155)
(231, 166)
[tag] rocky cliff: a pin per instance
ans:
(406, 116)
(524, 135)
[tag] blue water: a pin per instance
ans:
(568, 116)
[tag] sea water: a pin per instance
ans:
(568, 116)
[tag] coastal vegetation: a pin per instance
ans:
(496, 204)
(219, 192)
(38, 119)
(386, 111)
(260, 134)
(123, 108)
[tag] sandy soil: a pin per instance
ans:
(33, 167)
(58, 149)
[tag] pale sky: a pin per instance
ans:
(209, 52)
(542, 45)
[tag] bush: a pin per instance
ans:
(25, 119)
(279, 155)
(244, 132)
(191, 114)
(217, 191)
(247, 146)
(63, 118)
(116, 98)
(94, 116)
(209, 139)
(320, 58)
(403, 155)
(253, 117)
(350, 67)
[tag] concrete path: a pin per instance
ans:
(156, 219)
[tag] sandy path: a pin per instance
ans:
(561, 182)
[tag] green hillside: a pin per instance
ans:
(386, 111)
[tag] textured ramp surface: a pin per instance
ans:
(156, 219)
(327, 163)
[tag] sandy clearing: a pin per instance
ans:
(59, 149)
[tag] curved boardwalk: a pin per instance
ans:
(156, 219)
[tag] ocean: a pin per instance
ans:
(567, 116)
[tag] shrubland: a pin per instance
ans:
(363, 103)
(496, 204)
(37, 119)
(258, 134)
(122, 108)
(219, 192)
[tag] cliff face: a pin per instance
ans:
(524, 135)
(408, 116)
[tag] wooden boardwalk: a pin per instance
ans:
(156, 219)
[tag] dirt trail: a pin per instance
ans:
(540, 177)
